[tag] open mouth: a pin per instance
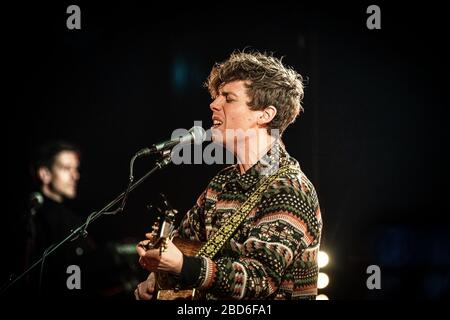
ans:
(216, 123)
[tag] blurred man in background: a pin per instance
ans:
(55, 168)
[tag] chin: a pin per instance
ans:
(70, 195)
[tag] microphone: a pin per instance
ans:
(36, 201)
(195, 135)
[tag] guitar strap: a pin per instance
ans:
(217, 241)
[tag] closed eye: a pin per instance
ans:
(228, 99)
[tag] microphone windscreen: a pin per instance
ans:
(198, 133)
(36, 200)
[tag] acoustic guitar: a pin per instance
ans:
(164, 288)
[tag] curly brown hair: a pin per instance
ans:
(268, 82)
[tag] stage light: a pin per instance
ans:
(322, 259)
(322, 297)
(323, 280)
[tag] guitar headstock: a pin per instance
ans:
(162, 228)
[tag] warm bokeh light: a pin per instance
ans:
(322, 297)
(322, 259)
(323, 280)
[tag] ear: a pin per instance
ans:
(44, 175)
(267, 115)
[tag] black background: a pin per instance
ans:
(373, 138)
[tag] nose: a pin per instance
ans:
(216, 105)
(75, 175)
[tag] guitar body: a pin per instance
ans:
(164, 290)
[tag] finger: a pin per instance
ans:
(142, 293)
(152, 254)
(148, 264)
(150, 290)
(147, 296)
(141, 251)
(145, 244)
(149, 235)
(151, 285)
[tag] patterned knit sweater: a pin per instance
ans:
(273, 254)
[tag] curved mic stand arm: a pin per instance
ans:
(81, 230)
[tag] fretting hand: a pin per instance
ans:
(168, 260)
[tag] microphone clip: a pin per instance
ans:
(143, 152)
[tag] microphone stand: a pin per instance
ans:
(81, 230)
